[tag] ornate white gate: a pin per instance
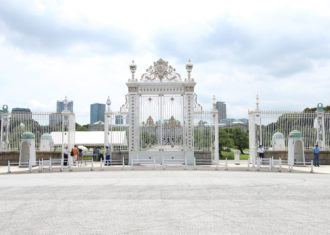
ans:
(162, 111)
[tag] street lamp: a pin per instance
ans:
(189, 67)
(132, 67)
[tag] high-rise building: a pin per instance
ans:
(23, 113)
(119, 119)
(97, 112)
(55, 118)
(222, 112)
(60, 106)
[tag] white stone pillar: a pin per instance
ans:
(320, 137)
(133, 110)
(1, 133)
(252, 136)
(4, 138)
(107, 115)
(189, 120)
(216, 132)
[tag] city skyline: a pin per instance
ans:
(82, 50)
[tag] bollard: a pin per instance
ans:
(154, 163)
(226, 164)
(9, 171)
(195, 168)
(123, 164)
(61, 169)
(248, 164)
(280, 163)
(217, 165)
(270, 163)
(40, 166)
(101, 164)
(163, 165)
(185, 163)
(70, 164)
(311, 166)
(50, 164)
(92, 166)
(258, 164)
(30, 167)
(289, 168)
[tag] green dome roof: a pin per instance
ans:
(27, 135)
(278, 135)
(46, 136)
(295, 134)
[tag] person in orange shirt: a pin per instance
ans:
(75, 153)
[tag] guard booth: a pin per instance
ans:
(27, 150)
(296, 155)
(278, 142)
(46, 142)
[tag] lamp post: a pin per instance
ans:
(107, 120)
(189, 67)
(132, 67)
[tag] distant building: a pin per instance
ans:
(22, 113)
(96, 126)
(230, 122)
(119, 120)
(222, 111)
(60, 106)
(55, 118)
(97, 113)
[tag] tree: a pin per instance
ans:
(81, 128)
(224, 140)
(240, 138)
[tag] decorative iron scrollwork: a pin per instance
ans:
(161, 71)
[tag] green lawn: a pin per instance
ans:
(230, 155)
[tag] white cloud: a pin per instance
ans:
(82, 49)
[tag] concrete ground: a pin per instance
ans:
(165, 202)
(232, 166)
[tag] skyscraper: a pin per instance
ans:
(97, 112)
(60, 106)
(222, 112)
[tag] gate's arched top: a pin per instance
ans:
(161, 71)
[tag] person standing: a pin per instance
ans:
(316, 151)
(100, 154)
(66, 156)
(261, 151)
(107, 156)
(80, 155)
(75, 153)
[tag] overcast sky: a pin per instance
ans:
(82, 49)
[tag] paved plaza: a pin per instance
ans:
(165, 202)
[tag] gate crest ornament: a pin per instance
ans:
(162, 71)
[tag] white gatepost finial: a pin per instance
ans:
(132, 67)
(257, 102)
(108, 104)
(65, 102)
(189, 67)
(214, 101)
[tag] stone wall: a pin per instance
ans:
(324, 156)
(203, 156)
(118, 155)
(13, 156)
